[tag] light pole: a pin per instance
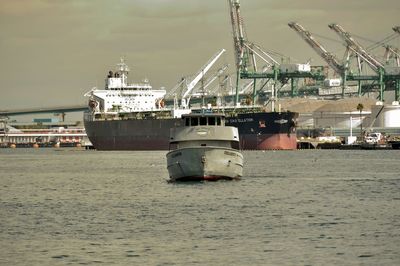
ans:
(360, 107)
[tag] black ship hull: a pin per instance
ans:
(266, 130)
(257, 131)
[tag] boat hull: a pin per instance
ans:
(257, 131)
(266, 130)
(204, 163)
(277, 141)
(138, 134)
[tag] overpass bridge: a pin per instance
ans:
(29, 111)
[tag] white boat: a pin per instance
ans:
(204, 149)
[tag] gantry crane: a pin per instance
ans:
(340, 68)
(397, 81)
(245, 51)
(354, 46)
(393, 70)
(392, 52)
(329, 58)
(245, 56)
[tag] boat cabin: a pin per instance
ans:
(204, 130)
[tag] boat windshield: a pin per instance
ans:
(211, 121)
(194, 121)
(204, 121)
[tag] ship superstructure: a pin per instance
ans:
(119, 96)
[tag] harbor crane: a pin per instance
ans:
(392, 52)
(353, 45)
(329, 58)
(245, 51)
(386, 74)
(189, 86)
(209, 81)
(245, 55)
(339, 68)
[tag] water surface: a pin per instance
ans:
(306, 207)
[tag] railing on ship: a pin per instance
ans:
(129, 116)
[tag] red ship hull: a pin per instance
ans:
(278, 141)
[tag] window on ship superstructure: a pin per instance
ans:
(203, 121)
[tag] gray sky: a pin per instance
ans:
(53, 51)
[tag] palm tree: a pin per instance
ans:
(360, 107)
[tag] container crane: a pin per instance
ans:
(353, 45)
(329, 58)
(392, 52)
(245, 51)
(237, 33)
(392, 68)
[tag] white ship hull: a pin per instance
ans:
(204, 163)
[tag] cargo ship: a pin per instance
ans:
(125, 116)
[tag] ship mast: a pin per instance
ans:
(123, 70)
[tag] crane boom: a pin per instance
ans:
(237, 31)
(212, 78)
(200, 75)
(321, 51)
(351, 42)
(392, 52)
(245, 50)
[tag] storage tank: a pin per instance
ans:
(337, 113)
(389, 116)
